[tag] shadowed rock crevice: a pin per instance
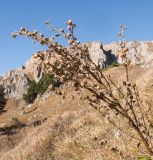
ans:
(110, 57)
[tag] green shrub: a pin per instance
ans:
(31, 93)
(44, 82)
(39, 88)
(2, 98)
(113, 64)
(144, 157)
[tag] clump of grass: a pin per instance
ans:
(144, 157)
(113, 64)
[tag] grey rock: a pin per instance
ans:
(140, 52)
(101, 56)
(16, 81)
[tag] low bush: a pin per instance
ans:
(39, 88)
(2, 98)
(32, 93)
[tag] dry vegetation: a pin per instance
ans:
(96, 115)
(73, 130)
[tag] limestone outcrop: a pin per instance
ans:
(17, 81)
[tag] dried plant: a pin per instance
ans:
(75, 65)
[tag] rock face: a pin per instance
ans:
(140, 53)
(34, 67)
(99, 55)
(16, 81)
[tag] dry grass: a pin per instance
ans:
(73, 130)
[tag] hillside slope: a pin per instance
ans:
(56, 127)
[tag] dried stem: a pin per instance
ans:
(75, 65)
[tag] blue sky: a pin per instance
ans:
(97, 20)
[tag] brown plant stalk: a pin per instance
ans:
(75, 65)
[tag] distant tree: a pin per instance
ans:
(44, 82)
(39, 88)
(2, 98)
(32, 93)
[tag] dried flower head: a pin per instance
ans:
(75, 65)
(70, 42)
(69, 23)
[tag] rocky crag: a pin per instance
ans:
(16, 81)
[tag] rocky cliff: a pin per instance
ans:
(140, 52)
(16, 81)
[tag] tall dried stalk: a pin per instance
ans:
(75, 65)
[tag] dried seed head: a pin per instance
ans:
(129, 90)
(82, 84)
(129, 84)
(42, 41)
(69, 22)
(29, 34)
(134, 85)
(131, 97)
(69, 35)
(98, 87)
(70, 42)
(124, 83)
